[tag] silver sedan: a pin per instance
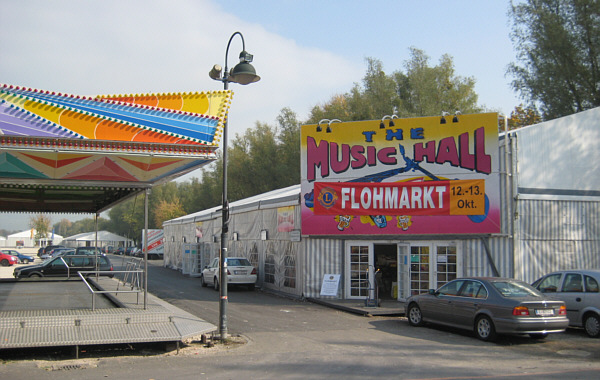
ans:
(489, 306)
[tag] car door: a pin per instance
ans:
(571, 292)
(439, 308)
(465, 305)
(211, 271)
(56, 267)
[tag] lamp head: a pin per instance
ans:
(244, 72)
(215, 72)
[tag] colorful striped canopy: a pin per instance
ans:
(111, 145)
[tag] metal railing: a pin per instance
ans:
(136, 274)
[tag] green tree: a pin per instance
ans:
(558, 48)
(63, 227)
(522, 117)
(288, 148)
(166, 210)
(41, 224)
(421, 90)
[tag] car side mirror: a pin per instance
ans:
(432, 292)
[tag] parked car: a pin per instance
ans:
(56, 252)
(137, 252)
(239, 272)
(579, 289)
(65, 266)
(22, 258)
(489, 306)
(48, 248)
(88, 251)
(7, 260)
(108, 249)
(120, 251)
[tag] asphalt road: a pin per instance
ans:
(293, 339)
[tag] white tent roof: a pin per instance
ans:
(28, 234)
(288, 196)
(91, 236)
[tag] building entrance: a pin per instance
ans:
(386, 267)
(397, 270)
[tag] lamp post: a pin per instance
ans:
(243, 73)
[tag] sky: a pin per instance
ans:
(304, 51)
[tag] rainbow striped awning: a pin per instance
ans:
(180, 118)
(64, 153)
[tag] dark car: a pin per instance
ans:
(580, 290)
(65, 266)
(47, 249)
(56, 252)
(88, 251)
(489, 306)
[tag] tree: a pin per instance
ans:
(558, 47)
(419, 91)
(63, 227)
(522, 116)
(166, 210)
(41, 224)
(289, 148)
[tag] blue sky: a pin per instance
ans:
(305, 51)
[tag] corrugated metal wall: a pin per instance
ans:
(321, 256)
(555, 235)
(477, 263)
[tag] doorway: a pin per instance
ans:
(386, 270)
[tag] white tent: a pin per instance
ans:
(105, 238)
(27, 239)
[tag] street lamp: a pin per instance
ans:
(243, 73)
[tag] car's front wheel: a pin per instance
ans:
(415, 318)
(484, 328)
(202, 282)
(26, 261)
(592, 325)
(216, 283)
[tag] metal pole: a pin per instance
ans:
(145, 243)
(224, 230)
(96, 246)
(225, 210)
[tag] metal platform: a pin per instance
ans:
(59, 313)
(384, 308)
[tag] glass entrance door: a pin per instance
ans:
(427, 266)
(359, 272)
(420, 270)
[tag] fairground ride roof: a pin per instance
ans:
(67, 153)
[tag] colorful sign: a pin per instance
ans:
(427, 175)
(285, 219)
(458, 197)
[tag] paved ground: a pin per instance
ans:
(294, 339)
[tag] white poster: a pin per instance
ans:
(330, 284)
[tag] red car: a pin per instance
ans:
(7, 260)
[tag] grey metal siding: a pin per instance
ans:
(556, 235)
(321, 256)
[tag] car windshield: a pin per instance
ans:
(515, 289)
(238, 262)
